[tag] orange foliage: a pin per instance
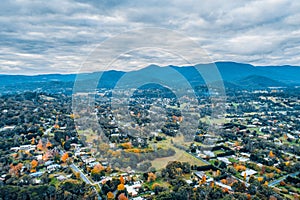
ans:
(64, 157)
(40, 145)
(33, 141)
(97, 169)
(225, 190)
(110, 196)
(121, 187)
(48, 144)
(151, 177)
(180, 119)
(122, 180)
(77, 175)
(14, 169)
(56, 126)
(155, 185)
(122, 197)
(260, 179)
(248, 196)
(212, 184)
(203, 179)
(282, 183)
(273, 198)
(240, 168)
(34, 164)
(126, 145)
(271, 154)
(46, 156)
(32, 170)
(224, 181)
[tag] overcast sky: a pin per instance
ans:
(56, 36)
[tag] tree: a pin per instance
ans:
(40, 145)
(224, 181)
(122, 181)
(203, 178)
(110, 195)
(122, 197)
(34, 164)
(64, 157)
(97, 172)
(77, 175)
(151, 177)
(48, 144)
(14, 169)
(33, 141)
(260, 179)
(97, 168)
(121, 187)
(238, 186)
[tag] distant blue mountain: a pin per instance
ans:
(232, 74)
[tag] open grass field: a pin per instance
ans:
(180, 155)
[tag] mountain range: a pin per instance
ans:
(232, 74)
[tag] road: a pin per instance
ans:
(82, 175)
(247, 184)
(273, 183)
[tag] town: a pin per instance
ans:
(152, 145)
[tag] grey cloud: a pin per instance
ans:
(60, 34)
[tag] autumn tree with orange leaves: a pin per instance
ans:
(97, 169)
(40, 145)
(122, 197)
(110, 195)
(49, 144)
(64, 157)
(15, 169)
(121, 187)
(34, 164)
(151, 177)
(122, 180)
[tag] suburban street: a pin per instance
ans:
(273, 183)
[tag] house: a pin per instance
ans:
(27, 147)
(133, 189)
(92, 164)
(249, 172)
(224, 159)
(36, 174)
(16, 149)
(53, 167)
(61, 178)
(49, 162)
(223, 186)
(209, 153)
(199, 174)
(138, 198)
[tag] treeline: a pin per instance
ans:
(70, 189)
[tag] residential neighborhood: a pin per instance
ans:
(251, 149)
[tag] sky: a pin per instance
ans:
(59, 36)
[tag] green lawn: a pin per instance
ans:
(180, 155)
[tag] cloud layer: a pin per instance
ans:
(57, 36)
